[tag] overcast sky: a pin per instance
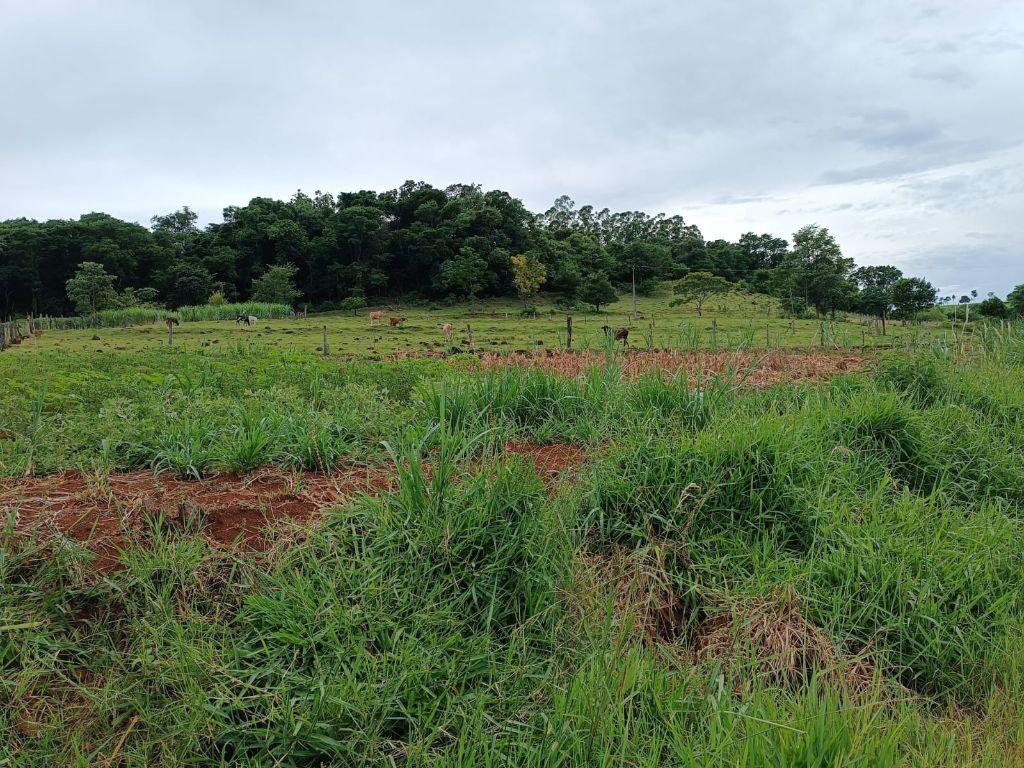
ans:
(897, 124)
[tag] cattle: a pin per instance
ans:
(619, 334)
(393, 321)
(298, 315)
(247, 319)
(377, 315)
(448, 329)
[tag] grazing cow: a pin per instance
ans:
(377, 315)
(298, 315)
(448, 329)
(247, 319)
(620, 334)
(393, 321)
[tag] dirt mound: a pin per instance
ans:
(104, 511)
(757, 368)
(781, 643)
(645, 601)
(766, 638)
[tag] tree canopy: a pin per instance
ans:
(456, 242)
(698, 287)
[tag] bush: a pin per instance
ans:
(994, 307)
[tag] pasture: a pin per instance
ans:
(736, 321)
(248, 553)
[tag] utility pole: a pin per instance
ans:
(634, 293)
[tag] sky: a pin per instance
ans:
(897, 124)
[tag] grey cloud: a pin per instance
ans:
(754, 115)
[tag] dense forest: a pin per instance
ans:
(421, 241)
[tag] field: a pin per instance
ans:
(249, 554)
(737, 321)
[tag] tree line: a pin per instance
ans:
(328, 251)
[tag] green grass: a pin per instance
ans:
(466, 618)
(133, 316)
(736, 321)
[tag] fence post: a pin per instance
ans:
(170, 334)
(767, 336)
(568, 331)
(469, 334)
(326, 349)
(714, 333)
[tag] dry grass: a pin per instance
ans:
(780, 641)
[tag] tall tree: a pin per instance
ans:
(597, 290)
(876, 284)
(912, 295)
(1015, 300)
(91, 290)
(817, 270)
(275, 286)
(529, 275)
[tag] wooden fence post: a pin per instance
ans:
(325, 348)
(767, 336)
(469, 334)
(714, 333)
(568, 331)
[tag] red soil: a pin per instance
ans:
(550, 460)
(105, 512)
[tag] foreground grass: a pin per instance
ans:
(473, 616)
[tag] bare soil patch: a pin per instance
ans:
(550, 459)
(761, 368)
(104, 512)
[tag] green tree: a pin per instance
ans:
(597, 290)
(275, 286)
(698, 287)
(187, 283)
(1015, 300)
(762, 251)
(876, 284)
(819, 271)
(91, 290)
(353, 303)
(463, 275)
(528, 275)
(911, 295)
(993, 306)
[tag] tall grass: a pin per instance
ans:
(120, 318)
(471, 614)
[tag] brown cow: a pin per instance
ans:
(448, 329)
(393, 321)
(620, 334)
(377, 315)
